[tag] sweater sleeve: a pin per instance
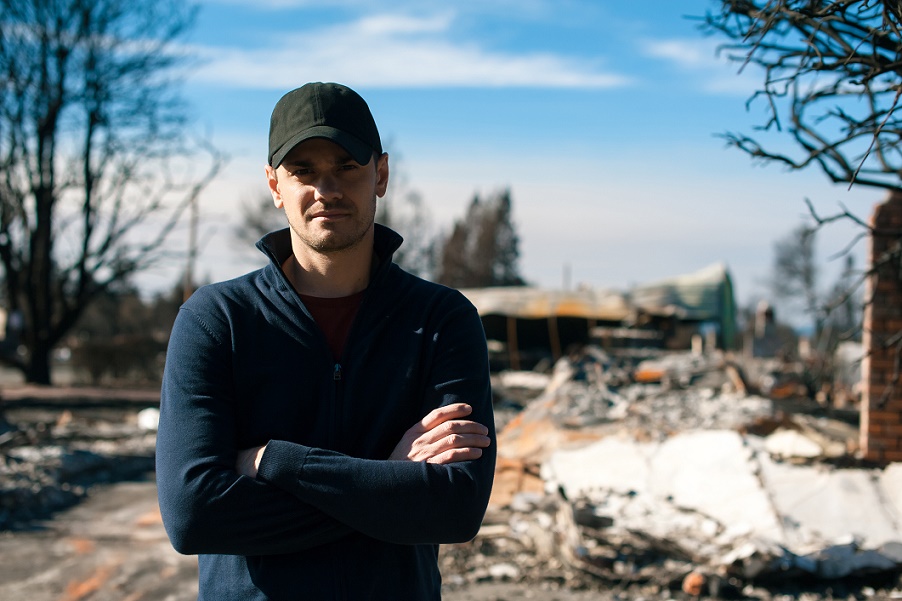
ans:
(207, 507)
(402, 501)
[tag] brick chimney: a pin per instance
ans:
(881, 370)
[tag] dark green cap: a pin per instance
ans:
(323, 110)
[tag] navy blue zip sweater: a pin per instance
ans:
(328, 516)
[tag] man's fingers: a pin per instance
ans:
(455, 447)
(460, 427)
(455, 433)
(444, 433)
(455, 455)
(440, 415)
(466, 440)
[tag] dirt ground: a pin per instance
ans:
(110, 544)
(112, 547)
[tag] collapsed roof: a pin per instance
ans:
(520, 319)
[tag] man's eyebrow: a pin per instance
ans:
(296, 163)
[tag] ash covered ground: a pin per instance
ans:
(616, 480)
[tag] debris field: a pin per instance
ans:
(667, 475)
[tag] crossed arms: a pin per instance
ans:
(442, 437)
(286, 497)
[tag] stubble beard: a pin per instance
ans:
(335, 240)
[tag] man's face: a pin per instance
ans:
(329, 198)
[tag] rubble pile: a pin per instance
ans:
(50, 459)
(669, 474)
(650, 474)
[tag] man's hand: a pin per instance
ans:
(443, 436)
(249, 460)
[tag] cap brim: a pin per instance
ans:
(359, 151)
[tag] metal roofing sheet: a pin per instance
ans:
(527, 302)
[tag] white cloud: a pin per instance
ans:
(690, 54)
(384, 25)
(396, 51)
(717, 74)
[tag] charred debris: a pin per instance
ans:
(637, 458)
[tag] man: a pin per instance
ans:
(326, 421)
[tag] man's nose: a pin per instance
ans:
(328, 187)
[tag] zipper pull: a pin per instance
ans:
(336, 373)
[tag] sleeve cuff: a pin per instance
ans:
(282, 463)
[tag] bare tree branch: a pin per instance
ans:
(93, 150)
(820, 60)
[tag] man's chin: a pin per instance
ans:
(329, 240)
(335, 244)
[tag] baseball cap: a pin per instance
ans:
(323, 110)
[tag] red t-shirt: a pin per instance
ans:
(334, 317)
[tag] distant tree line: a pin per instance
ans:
(121, 337)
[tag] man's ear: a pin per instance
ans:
(382, 175)
(272, 180)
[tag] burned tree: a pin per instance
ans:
(831, 83)
(92, 146)
(795, 269)
(835, 312)
(483, 248)
(831, 86)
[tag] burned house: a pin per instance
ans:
(528, 325)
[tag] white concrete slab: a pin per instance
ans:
(824, 505)
(708, 471)
(612, 463)
(734, 480)
(715, 473)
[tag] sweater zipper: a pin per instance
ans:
(334, 408)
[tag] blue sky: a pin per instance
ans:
(601, 117)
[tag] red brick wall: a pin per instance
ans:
(881, 403)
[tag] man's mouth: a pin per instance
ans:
(330, 215)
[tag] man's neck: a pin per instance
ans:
(329, 275)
